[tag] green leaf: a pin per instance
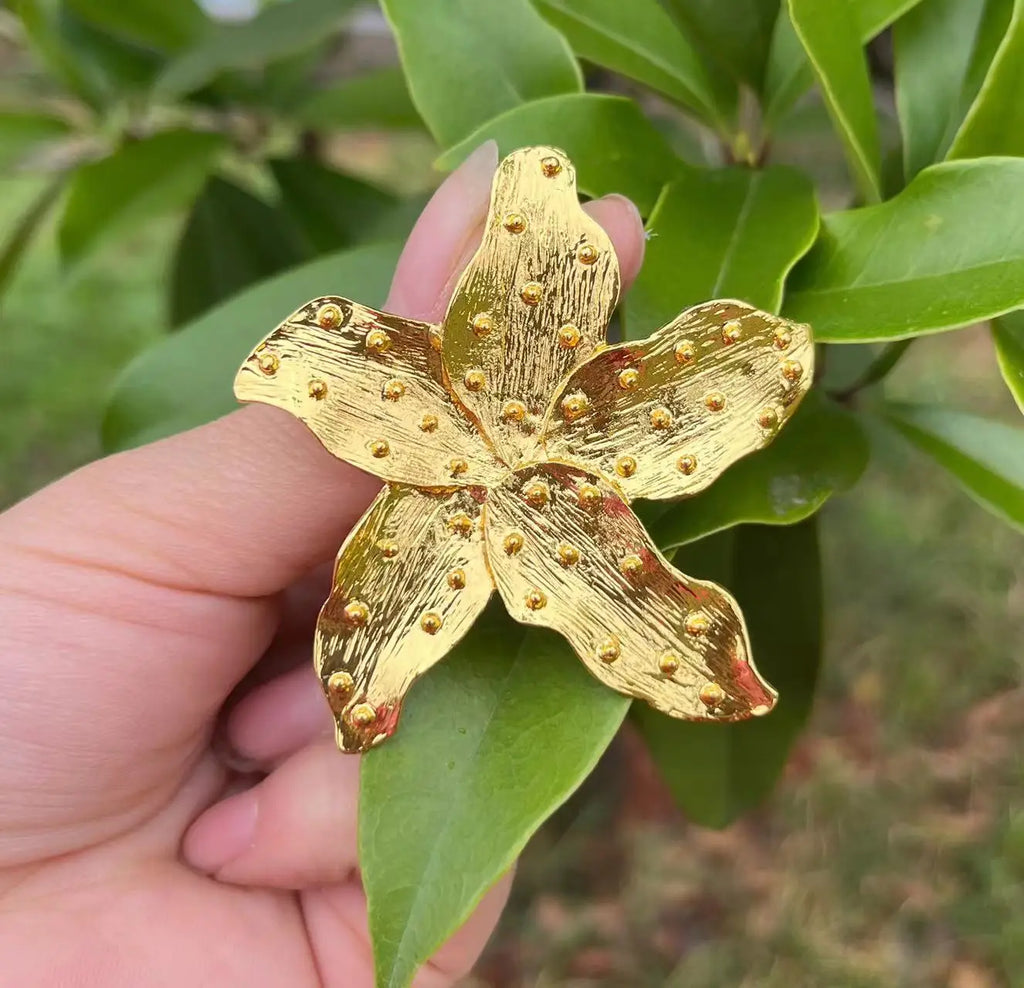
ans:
(139, 181)
(640, 41)
(24, 131)
(994, 124)
(725, 233)
(933, 47)
(830, 34)
(231, 239)
(25, 229)
(586, 126)
(716, 772)
(1008, 333)
(946, 252)
(492, 741)
(821, 452)
(162, 24)
(331, 209)
(985, 457)
(278, 30)
(466, 61)
(376, 100)
(186, 379)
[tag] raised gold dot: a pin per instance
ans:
(482, 324)
(268, 363)
(629, 378)
(460, 524)
(475, 380)
(686, 463)
(513, 411)
(590, 496)
(329, 316)
(696, 624)
(537, 494)
(587, 254)
(340, 683)
(782, 339)
(715, 401)
(388, 548)
(428, 423)
(760, 710)
(513, 543)
(792, 370)
(569, 336)
(431, 622)
(668, 664)
(394, 389)
(536, 599)
(377, 341)
(661, 418)
(711, 695)
(575, 405)
(356, 612)
(514, 222)
(568, 555)
(631, 565)
(731, 332)
(550, 166)
(457, 579)
(625, 466)
(608, 650)
(317, 389)
(532, 292)
(457, 467)
(435, 338)
(379, 448)
(685, 352)
(767, 418)
(362, 715)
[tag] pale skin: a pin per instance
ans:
(150, 831)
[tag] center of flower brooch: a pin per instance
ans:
(511, 439)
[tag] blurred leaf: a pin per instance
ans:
(13, 249)
(933, 47)
(821, 452)
(640, 41)
(466, 61)
(995, 122)
(376, 100)
(139, 181)
(493, 740)
(1008, 333)
(735, 32)
(231, 239)
(186, 379)
(23, 131)
(586, 126)
(946, 252)
(717, 772)
(830, 34)
(331, 209)
(163, 24)
(986, 457)
(726, 233)
(278, 30)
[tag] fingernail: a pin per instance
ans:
(222, 834)
(627, 204)
(480, 163)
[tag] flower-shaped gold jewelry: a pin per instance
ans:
(512, 438)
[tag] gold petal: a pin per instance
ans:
(408, 584)
(715, 384)
(587, 569)
(534, 301)
(369, 386)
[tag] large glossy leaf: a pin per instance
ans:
(586, 126)
(830, 34)
(162, 24)
(492, 741)
(231, 240)
(1009, 338)
(945, 252)
(467, 61)
(139, 181)
(186, 379)
(17, 241)
(640, 41)
(278, 30)
(717, 772)
(727, 233)
(995, 122)
(821, 452)
(22, 132)
(933, 47)
(378, 100)
(984, 456)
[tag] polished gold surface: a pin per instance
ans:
(512, 439)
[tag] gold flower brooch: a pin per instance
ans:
(511, 439)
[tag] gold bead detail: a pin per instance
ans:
(661, 418)
(379, 448)
(537, 494)
(362, 715)
(317, 389)
(457, 467)
(428, 423)
(569, 336)
(268, 363)
(767, 418)
(731, 332)
(711, 695)
(513, 543)
(513, 411)
(460, 524)
(568, 555)
(328, 316)
(575, 405)
(625, 466)
(356, 612)
(631, 565)
(377, 341)
(388, 548)
(696, 624)
(394, 389)
(482, 324)
(340, 683)
(792, 370)
(590, 496)
(536, 599)
(514, 223)
(457, 579)
(686, 464)
(608, 651)
(587, 254)
(715, 401)
(685, 352)
(782, 339)
(431, 622)
(629, 378)
(475, 380)
(532, 292)
(668, 664)
(550, 166)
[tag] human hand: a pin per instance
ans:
(135, 596)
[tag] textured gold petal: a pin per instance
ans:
(534, 301)
(576, 559)
(370, 387)
(663, 417)
(408, 584)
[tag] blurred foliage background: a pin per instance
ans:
(159, 159)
